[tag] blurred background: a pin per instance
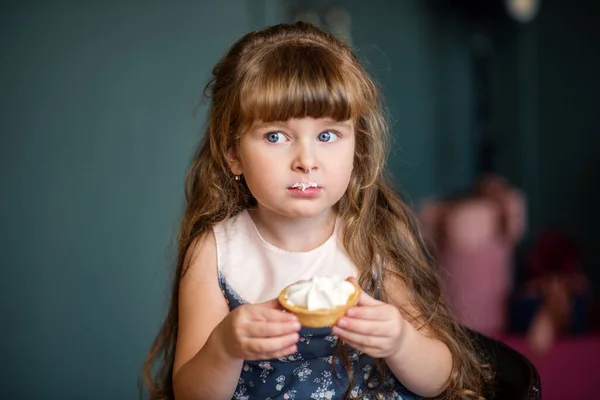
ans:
(101, 109)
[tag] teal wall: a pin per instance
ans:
(547, 114)
(97, 126)
(569, 128)
(96, 129)
(418, 53)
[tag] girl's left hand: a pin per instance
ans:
(373, 327)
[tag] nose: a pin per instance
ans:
(305, 160)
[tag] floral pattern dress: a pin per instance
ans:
(314, 371)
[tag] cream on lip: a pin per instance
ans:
(304, 185)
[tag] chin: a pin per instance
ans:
(302, 212)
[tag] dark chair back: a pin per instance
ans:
(516, 377)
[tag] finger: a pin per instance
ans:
(352, 280)
(358, 340)
(264, 346)
(265, 329)
(364, 327)
(371, 313)
(366, 300)
(272, 304)
(267, 312)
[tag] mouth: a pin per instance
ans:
(304, 185)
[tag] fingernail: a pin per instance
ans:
(296, 325)
(342, 322)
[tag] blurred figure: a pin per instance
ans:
(553, 301)
(474, 237)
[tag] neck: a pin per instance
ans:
(294, 234)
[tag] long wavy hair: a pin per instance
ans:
(295, 71)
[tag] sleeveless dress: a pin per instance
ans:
(250, 270)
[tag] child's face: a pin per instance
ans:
(280, 159)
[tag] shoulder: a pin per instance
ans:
(200, 259)
(241, 218)
(232, 228)
(399, 294)
(202, 254)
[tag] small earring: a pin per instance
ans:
(237, 178)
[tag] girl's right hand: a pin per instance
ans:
(259, 331)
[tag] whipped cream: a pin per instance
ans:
(320, 292)
(304, 185)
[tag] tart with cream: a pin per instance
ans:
(320, 301)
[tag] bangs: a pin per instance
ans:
(296, 81)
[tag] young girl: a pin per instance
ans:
(288, 184)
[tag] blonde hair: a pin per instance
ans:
(295, 71)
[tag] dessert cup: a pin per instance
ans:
(320, 317)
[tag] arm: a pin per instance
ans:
(421, 362)
(212, 343)
(202, 368)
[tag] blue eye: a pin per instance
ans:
(328, 137)
(275, 137)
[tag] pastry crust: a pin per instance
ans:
(323, 316)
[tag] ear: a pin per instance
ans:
(235, 165)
